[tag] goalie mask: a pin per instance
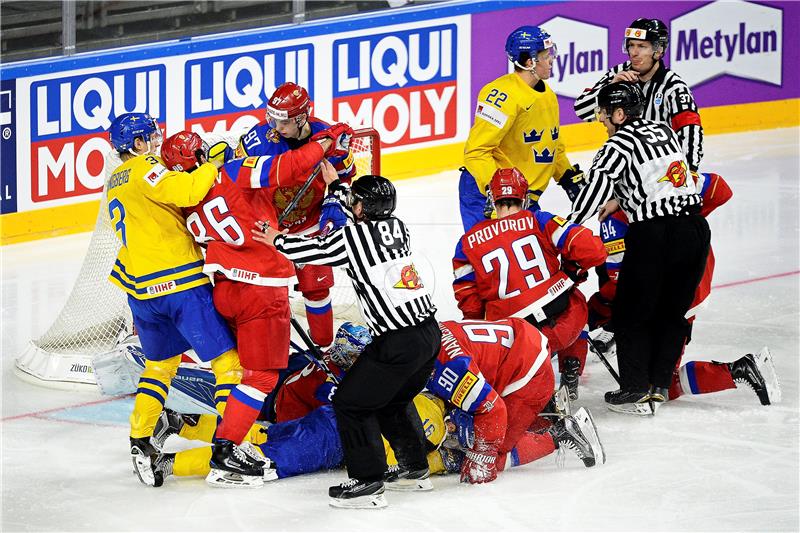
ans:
(183, 151)
(127, 127)
(287, 102)
(509, 183)
(350, 341)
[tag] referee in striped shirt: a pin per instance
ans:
(668, 98)
(643, 168)
(375, 396)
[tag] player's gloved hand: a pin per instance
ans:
(332, 216)
(221, 152)
(465, 427)
(574, 271)
(533, 202)
(340, 135)
(572, 182)
(479, 463)
(488, 207)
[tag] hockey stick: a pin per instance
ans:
(602, 357)
(299, 195)
(316, 356)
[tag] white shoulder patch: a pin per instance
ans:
(491, 114)
(155, 175)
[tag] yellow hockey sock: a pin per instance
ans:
(151, 395)
(194, 462)
(228, 371)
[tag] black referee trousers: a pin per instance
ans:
(662, 267)
(375, 397)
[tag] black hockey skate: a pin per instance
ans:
(357, 494)
(169, 423)
(150, 466)
(631, 402)
(579, 434)
(231, 467)
(758, 373)
(405, 480)
(570, 375)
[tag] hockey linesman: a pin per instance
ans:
(642, 166)
(667, 97)
(375, 397)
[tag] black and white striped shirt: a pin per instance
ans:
(667, 99)
(377, 258)
(643, 167)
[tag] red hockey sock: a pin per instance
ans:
(530, 447)
(700, 377)
(319, 314)
(244, 404)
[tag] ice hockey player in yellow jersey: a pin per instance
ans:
(517, 125)
(160, 267)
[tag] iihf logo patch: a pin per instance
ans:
(658, 99)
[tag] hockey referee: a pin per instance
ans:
(642, 166)
(375, 396)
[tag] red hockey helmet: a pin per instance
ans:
(183, 150)
(288, 101)
(509, 183)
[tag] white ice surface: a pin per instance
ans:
(713, 462)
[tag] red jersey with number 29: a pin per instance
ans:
(510, 266)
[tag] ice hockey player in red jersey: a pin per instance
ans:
(695, 377)
(289, 126)
(251, 283)
(510, 267)
(500, 372)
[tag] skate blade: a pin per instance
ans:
(373, 501)
(270, 474)
(589, 429)
(231, 480)
(410, 485)
(766, 366)
(144, 470)
(638, 409)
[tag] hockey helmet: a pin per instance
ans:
(127, 127)
(350, 341)
(288, 101)
(651, 30)
(377, 195)
(182, 151)
(508, 183)
(623, 94)
(527, 41)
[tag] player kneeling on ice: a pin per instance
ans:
(500, 372)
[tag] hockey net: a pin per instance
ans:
(96, 316)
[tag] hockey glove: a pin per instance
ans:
(479, 464)
(574, 271)
(333, 215)
(465, 427)
(221, 152)
(340, 135)
(488, 207)
(572, 182)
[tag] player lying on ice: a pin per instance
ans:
(503, 422)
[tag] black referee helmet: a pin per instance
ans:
(377, 195)
(623, 95)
